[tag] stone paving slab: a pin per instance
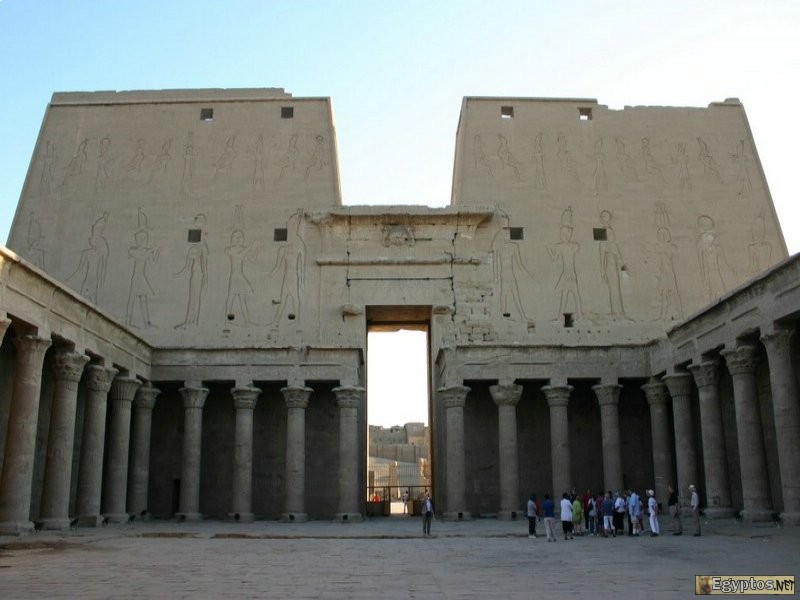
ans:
(383, 558)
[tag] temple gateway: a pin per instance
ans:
(185, 301)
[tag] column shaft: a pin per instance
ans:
(608, 398)
(23, 416)
(143, 405)
(194, 398)
(680, 388)
(90, 475)
(453, 399)
(349, 399)
(658, 398)
(123, 391)
(506, 398)
(558, 400)
(296, 404)
(67, 370)
(244, 400)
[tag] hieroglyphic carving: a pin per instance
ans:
(507, 268)
(239, 287)
(710, 166)
(480, 161)
(742, 174)
(539, 175)
(507, 158)
(142, 254)
(566, 162)
(565, 252)
(290, 266)
(627, 165)
(93, 262)
(196, 266)
(600, 181)
(224, 163)
(711, 258)
(681, 159)
(317, 160)
(611, 264)
(187, 177)
(289, 160)
(33, 249)
(759, 250)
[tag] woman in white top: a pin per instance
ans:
(566, 516)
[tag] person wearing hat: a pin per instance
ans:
(695, 504)
(652, 507)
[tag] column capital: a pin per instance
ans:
(557, 395)
(296, 397)
(705, 373)
(123, 389)
(146, 397)
(348, 396)
(607, 393)
(779, 340)
(741, 360)
(67, 365)
(506, 394)
(679, 384)
(454, 396)
(194, 397)
(29, 343)
(655, 393)
(99, 378)
(245, 397)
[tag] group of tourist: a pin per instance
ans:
(607, 514)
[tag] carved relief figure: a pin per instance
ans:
(75, 166)
(682, 160)
(565, 160)
(93, 262)
(669, 299)
(759, 250)
(611, 265)
(289, 159)
(225, 160)
(317, 160)
(142, 254)
(398, 235)
(187, 177)
(651, 167)
(161, 164)
(101, 179)
(565, 252)
(507, 159)
(539, 176)
(239, 287)
(46, 179)
(627, 166)
(600, 182)
(134, 166)
(711, 257)
(479, 156)
(742, 174)
(508, 266)
(258, 165)
(710, 166)
(290, 267)
(33, 249)
(196, 266)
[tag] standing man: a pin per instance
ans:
(695, 503)
(549, 509)
(532, 510)
(652, 507)
(633, 511)
(675, 509)
(427, 513)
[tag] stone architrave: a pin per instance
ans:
(123, 390)
(138, 481)
(244, 401)
(67, 368)
(194, 398)
(608, 398)
(786, 406)
(453, 399)
(506, 398)
(349, 399)
(558, 400)
(742, 362)
(680, 388)
(90, 475)
(23, 415)
(715, 460)
(658, 398)
(296, 403)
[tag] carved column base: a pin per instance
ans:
(348, 517)
(790, 518)
(191, 517)
(241, 517)
(294, 517)
(457, 516)
(55, 524)
(719, 512)
(90, 520)
(117, 517)
(510, 515)
(755, 515)
(15, 527)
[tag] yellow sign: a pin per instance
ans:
(744, 584)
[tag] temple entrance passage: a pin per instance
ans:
(398, 409)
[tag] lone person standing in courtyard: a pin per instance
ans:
(427, 514)
(695, 504)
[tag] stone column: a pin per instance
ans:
(123, 389)
(67, 371)
(139, 478)
(23, 416)
(244, 400)
(741, 363)
(4, 324)
(608, 398)
(90, 476)
(189, 503)
(506, 398)
(785, 405)
(715, 459)
(680, 388)
(658, 398)
(558, 400)
(453, 399)
(296, 404)
(349, 399)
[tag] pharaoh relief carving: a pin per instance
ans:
(539, 176)
(104, 162)
(714, 266)
(710, 166)
(187, 175)
(289, 268)
(258, 165)
(142, 254)
(33, 245)
(600, 181)
(507, 158)
(564, 253)
(224, 163)
(133, 168)
(741, 160)
(651, 166)
(76, 163)
(91, 270)
(480, 162)
(681, 160)
(318, 160)
(239, 287)
(627, 165)
(289, 159)
(46, 184)
(508, 267)
(196, 269)
(759, 250)
(161, 162)
(611, 264)
(569, 171)
(661, 255)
